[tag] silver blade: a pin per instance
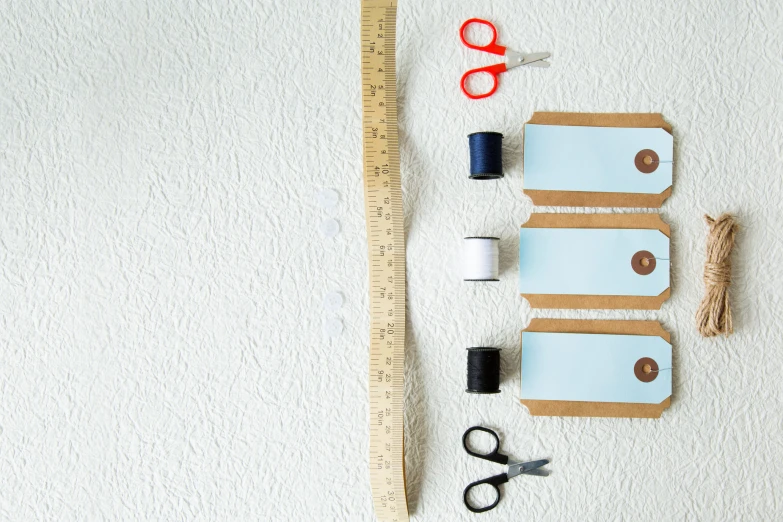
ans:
(537, 472)
(538, 64)
(515, 59)
(535, 57)
(517, 468)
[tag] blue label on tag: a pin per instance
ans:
(595, 159)
(583, 261)
(593, 367)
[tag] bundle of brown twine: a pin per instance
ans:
(714, 314)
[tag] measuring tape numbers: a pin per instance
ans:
(386, 249)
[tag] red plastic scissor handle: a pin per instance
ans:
(491, 47)
(494, 70)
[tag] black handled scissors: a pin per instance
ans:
(514, 469)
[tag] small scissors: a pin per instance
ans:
(514, 469)
(513, 58)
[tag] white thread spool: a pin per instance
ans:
(480, 259)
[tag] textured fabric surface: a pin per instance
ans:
(162, 269)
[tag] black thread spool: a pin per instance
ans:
(486, 155)
(483, 370)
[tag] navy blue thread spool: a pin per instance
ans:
(483, 370)
(486, 156)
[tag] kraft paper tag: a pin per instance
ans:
(589, 368)
(584, 159)
(594, 261)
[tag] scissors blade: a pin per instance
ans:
(515, 59)
(528, 468)
(537, 472)
(535, 59)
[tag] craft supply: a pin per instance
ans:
(596, 368)
(714, 314)
(486, 155)
(594, 261)
(602, 160)
(597, 159)
(333, 327)
(333, 301)
(328, 198)
(493, 455)
(480, 259)
(512, 58)
(386, 250)
(330, 227)
(483, 370)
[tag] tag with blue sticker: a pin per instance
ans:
(595, 368)
(597, 159)
(594, 261)
(603, 368)
(603, 160)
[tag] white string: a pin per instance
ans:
(480, 259)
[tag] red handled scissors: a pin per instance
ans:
(513, 58)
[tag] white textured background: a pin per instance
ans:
(162, 269)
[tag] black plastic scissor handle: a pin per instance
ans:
(492, 481)
(493, 455)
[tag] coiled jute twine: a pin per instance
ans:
(714, 314)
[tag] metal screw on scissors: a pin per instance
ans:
(514, 469)
(513, 58)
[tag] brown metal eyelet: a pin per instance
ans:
(645, 369)
(643, 262)
(646, 161)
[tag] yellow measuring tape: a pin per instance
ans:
(386, 249)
